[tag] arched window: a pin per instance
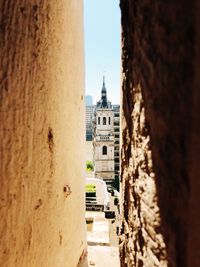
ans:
(109, 120)
(99, 120)
(104, 150)
(104, 120)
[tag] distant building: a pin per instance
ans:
(88, 100)
(89, 117)
(104, 138)
(89, 122)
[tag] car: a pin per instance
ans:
(112, 190)
(109, 188)
(116, 193)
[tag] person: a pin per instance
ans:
(118, 223)
(116, 203)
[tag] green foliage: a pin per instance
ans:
(89, 166)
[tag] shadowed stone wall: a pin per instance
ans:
(42, 161)
(160, 133)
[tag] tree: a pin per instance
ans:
(89, 165)
(115, 183)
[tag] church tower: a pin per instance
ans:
(104, 138)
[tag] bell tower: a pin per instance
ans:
(104, 138)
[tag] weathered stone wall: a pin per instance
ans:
(160, 133)
(193, 247)
(41, 133)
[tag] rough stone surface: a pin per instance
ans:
(41, 148)
(160, 133)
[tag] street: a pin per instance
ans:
(102, 238)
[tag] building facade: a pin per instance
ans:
(89, 109)
(89, 122)
(88, 100)
(104, 138)
(116, 125)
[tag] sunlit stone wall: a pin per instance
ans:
(160, 133)
(42, 133)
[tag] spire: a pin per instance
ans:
(103, 81)
(103, 87)
(103, 91)
(103, 102)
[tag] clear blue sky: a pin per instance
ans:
(102, 48)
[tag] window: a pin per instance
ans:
(109, 120)
(104, 120)
(99, 121)
(104, 150)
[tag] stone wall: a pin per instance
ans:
(41, 148)
(160, 133)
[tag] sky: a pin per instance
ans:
(102, 48)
